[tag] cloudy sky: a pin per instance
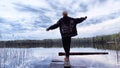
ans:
(28, 19)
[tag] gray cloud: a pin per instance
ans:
(83, 8)
(42, 20)
(2, 20)
(101, 19)
(40, 17)
(28, 8)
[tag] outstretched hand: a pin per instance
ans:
(85, 17)
(47, 29)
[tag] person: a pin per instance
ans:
(68, 29)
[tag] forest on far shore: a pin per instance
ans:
(106, 42)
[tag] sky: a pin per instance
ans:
(28, 19)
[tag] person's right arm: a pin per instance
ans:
(54, 26)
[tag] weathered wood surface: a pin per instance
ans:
(57, 64)
(83, 53)
(62, 64)
(67, 65)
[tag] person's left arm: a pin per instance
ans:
(54, 26)
(79, 20)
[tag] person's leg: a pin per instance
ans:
(66, 45)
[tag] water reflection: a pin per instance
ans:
(12, 57)
(114, 47)
(41, 58)
(117, 55)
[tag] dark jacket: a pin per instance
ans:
(67, 26)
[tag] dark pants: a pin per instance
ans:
(66, 45)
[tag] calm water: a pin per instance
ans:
(41, 58)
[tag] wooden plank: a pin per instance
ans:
(79, 66)
(62, 64)
(56, 60)
(67, 65)
(83, 53)
(57, 64)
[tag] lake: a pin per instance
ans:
(42, 57)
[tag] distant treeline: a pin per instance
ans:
(106, 42)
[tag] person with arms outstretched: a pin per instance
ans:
(68, 29)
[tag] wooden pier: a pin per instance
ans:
(57, 64)
(63, 64)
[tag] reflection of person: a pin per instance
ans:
(67, 27)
